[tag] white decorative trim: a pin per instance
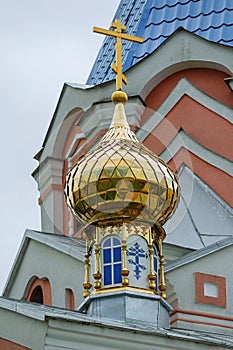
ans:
(183, 140)
(184, 87)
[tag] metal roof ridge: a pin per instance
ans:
(200, 253)
(52, 240)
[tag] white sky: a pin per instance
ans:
(43, 43)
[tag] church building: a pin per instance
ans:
(134, 176)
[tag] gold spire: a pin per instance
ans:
(118, 95)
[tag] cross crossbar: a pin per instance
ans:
(113, 33)
(117, 33)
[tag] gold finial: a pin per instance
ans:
(118, 95)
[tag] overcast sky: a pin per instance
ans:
(43, 43)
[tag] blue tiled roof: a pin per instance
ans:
(155, 21)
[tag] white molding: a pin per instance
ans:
(49, 173)
(70, 155)
(183, 140)
(184, 87)
(74, 144)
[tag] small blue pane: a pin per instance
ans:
(117, 273)
(107, 275)
(155, 261)
(107, 256)
(107, 243)
(117, 254)
(155, 265)
(116, 241)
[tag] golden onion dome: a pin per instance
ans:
(121, 180)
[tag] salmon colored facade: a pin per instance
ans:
(8, 345)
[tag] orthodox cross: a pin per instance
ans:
(137, 252)
(117, 68)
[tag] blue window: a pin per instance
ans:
(112, 261)
(156, 267)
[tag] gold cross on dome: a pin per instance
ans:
(117, 33)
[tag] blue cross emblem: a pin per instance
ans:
(137, 252)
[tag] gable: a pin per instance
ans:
(202, 218)
(38, 260)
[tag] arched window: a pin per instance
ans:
(69, 299)
(38, 290)
(112, 261)
(156, 267)
(155, 260)
(37, 295)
